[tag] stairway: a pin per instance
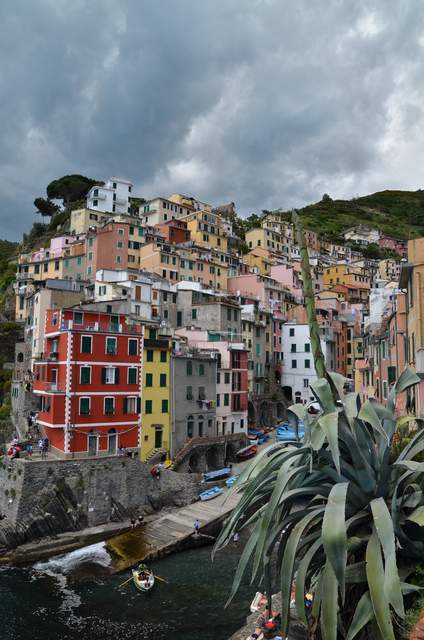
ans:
(154, 453)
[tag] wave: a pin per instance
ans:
(68, 562)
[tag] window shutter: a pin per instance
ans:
(125, 405)
(116, 375)
(138, 405)
(103, 375)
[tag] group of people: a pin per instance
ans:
(43, 447)
(139, 520)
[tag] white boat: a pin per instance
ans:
(143, 578)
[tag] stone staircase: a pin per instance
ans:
(155, 453)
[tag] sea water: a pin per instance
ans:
(75, 597)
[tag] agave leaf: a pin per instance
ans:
(317, 438)
(352, 405)
(339, 382)
(300, 579)
(406, 379)
(329, 424)
(375, 577)
(384, 527)
(417, 516)
(324, 394)
(404, 420)
(287, 565)
(411, 465)
(356, 573)
(329, 604)
(334, 535)
(410, 588)
(363, 614)
(284, 478)
(298, 409)
(243, 562)
(368, 414)
(414, 447)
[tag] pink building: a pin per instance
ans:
(288, 277)
(267, 291)
(399, 246)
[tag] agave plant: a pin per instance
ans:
(333, 514)
(338, 517)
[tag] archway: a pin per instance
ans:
(251, 413)
(111, 442)
(194, 462)
(212, 458)
(288, 394)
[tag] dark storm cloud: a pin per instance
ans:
(267, 103)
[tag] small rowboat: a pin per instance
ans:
(211, 493)
(143, 578)
(230, 481)
(247, 452)
(219, 474)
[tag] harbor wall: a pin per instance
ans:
(46, 497)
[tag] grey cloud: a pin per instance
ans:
(264, 102)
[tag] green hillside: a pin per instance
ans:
(397, 213)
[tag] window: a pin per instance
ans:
(305, 383)
(130, 405)
(201, 369)
(86, 344)
(291, 332)
(307, 364)
(202, 393)
(95, 203)
(148, 406)
(218, 400)
(190, 426)
(163, 356)
(165, 406)
(194, 314)
(149, 355)
(84, 406)
(294, 364)
(111, 346)
(149, 379)
(229, 314)
(200, 426)
(226, 399)
(218, 377)
(132, 375)
(109, 406)
(85, 375)
(110, 375)
(162, 380)
(132, 347)
(293, 348)
(119, 244)
(227, 377)
(307, 347)
(78, 317)
(189, 393)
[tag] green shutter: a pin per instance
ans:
(125, 405)
(138, 405)
(103, 375)
(117, 375)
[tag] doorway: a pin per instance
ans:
(111, 442)
(158, 439)
(92, 444)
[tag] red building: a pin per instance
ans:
(174, 231)
(90, 382)
(399, 246)
(107, 248)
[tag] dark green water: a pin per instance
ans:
(74, 597)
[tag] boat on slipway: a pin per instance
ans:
(211, 493)
(143, 578)
(218, 474)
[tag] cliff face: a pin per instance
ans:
(46, 497)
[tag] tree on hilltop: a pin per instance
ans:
(46, 208)
(70, 188)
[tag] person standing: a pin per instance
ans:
(236, 538)
(196, 527)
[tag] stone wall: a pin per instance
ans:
(207, 454)
(45, 497)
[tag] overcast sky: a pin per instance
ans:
(268, 103)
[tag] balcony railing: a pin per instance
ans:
(103, 327)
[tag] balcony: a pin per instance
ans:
(102, 327)
(53, 356)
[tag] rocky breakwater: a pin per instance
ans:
(43, 498)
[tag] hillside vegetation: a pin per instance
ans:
(396, 213)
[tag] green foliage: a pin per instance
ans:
(45, 207)
(395, 213)
(70, 188)
(336, 512)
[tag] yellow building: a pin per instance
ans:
(82, 219)
(259, 260)
(268, 239)
(344, 274)
(156, 414)
(207, 230)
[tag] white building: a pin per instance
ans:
(298, 371)
(114, 196)
(114, 284)
(160, 210)
(362, 234)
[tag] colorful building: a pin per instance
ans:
(156, 406)
(89, 382)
